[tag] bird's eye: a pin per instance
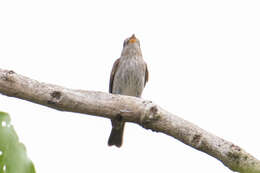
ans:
(125, 42)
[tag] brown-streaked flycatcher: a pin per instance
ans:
(128, 77)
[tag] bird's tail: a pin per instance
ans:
(116, 135)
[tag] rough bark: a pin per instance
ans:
(130, 109)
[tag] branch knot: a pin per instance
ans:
(55, 97)
(7, 76)
(150, 114)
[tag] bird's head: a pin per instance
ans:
(131, 41)
(131, 44)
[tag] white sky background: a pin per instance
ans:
(203, 58)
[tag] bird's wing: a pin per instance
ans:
(146, 74)
(112, 75)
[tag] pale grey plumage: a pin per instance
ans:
(128, 77)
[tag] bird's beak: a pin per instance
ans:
(132, 39)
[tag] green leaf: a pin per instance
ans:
(13, 158)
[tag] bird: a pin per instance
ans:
(129, 76)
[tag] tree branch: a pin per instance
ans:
(131, 109)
